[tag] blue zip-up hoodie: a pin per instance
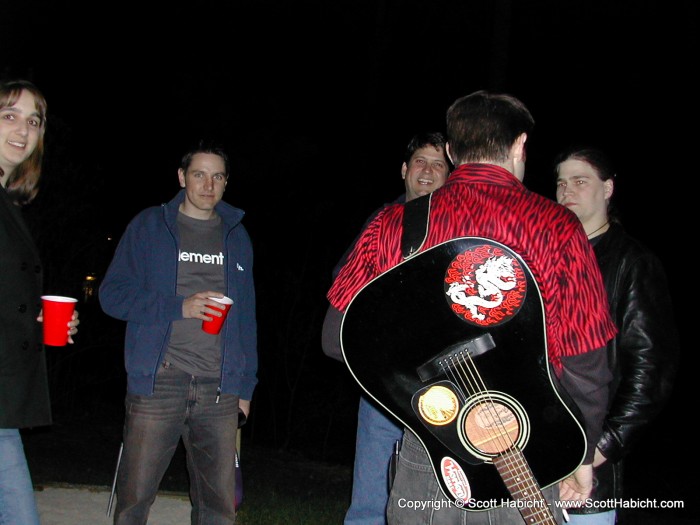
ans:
(140, 288)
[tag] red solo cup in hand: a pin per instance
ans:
(214, 326)
(57, 313)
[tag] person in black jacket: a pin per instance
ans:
(644, 354)
(24, 388)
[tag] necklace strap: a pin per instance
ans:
(598, 229)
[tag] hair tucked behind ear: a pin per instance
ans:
(598, 160)
(23, 183)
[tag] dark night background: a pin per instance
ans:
(315, 102)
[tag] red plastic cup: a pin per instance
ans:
(214, 326)
(57, 312)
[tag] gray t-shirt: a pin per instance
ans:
(200, 267)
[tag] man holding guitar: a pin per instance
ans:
(486, 342)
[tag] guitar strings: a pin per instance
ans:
(471, 380)
(516, 469)
(464, 373)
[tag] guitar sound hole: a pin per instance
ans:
(491, 427)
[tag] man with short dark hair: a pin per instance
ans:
(425, 169)
(182, 382)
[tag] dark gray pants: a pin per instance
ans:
(416, 497)
(182, 406)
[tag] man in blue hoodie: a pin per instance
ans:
(181, 381)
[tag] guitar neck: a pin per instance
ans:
(523, 488)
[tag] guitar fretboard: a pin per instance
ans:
(521, 485)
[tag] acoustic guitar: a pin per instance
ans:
(452, 342)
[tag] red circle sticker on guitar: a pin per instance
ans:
(485, 285)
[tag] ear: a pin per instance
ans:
(404, 169)
(517, 150)
(449, 153)
(181, 177)
(609, 188)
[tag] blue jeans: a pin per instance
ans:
(415, 482)
(374, 446)
(17, 503)
(182, 406)
(599, 518)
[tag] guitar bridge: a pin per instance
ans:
(471, 348)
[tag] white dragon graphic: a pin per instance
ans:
(493, 276)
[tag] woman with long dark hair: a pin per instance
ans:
(24, 391)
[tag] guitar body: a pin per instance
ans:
(452, 342)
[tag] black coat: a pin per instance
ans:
(24, 391)
(644, 354)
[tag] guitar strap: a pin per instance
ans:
(415, 225)
(416, 217)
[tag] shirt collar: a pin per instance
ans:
(484, 173)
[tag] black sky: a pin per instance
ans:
(318, 94)
(316, 100)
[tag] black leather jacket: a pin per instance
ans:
(643, 356)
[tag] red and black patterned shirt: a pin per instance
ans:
(484, 200)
